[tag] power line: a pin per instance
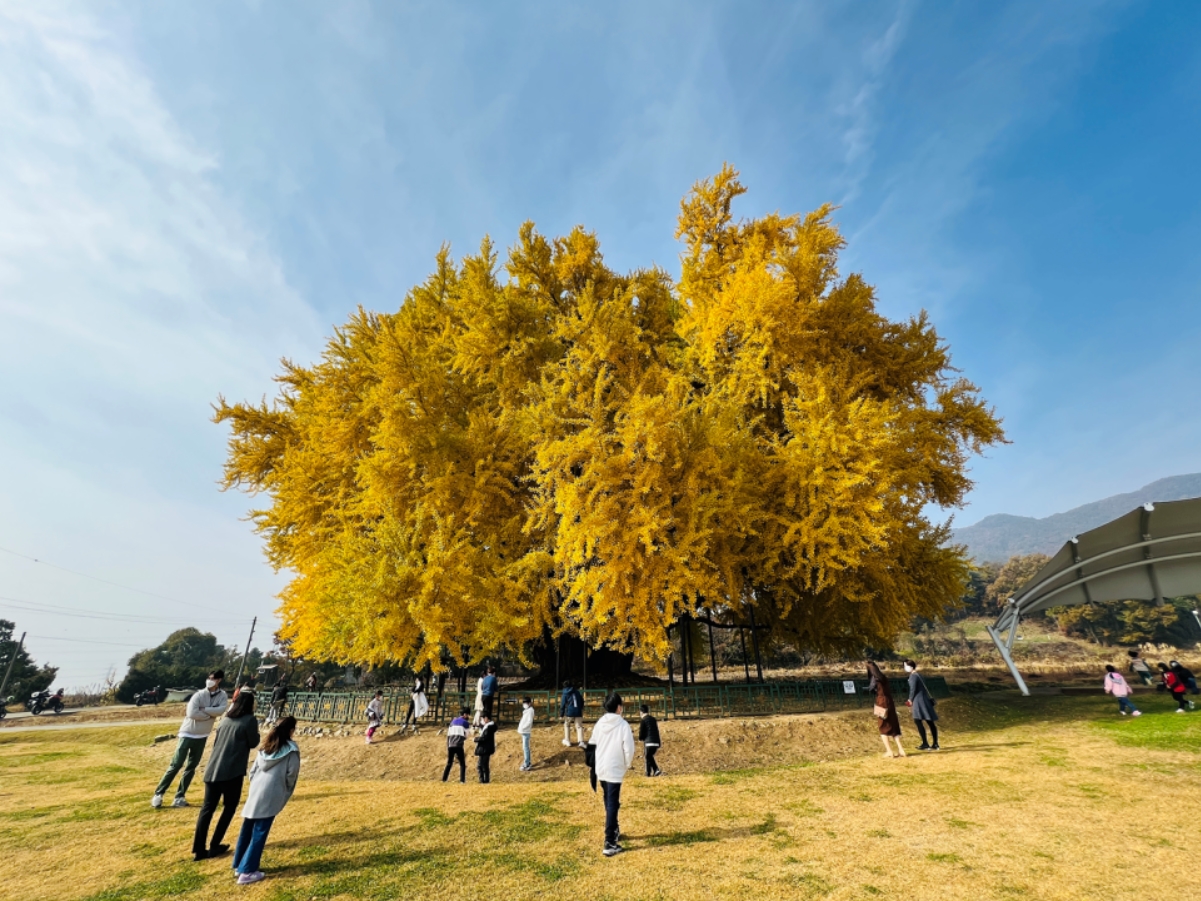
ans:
(161, 597)
(79, 613)
(84, 641)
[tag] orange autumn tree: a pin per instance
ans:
(549, 447)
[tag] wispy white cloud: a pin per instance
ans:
(132, 292)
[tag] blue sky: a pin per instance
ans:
(190, 192)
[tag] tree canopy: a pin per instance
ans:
(183, 661)
(26, 677)
(547, 446)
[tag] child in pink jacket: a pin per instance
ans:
(1118, 687)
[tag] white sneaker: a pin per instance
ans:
(1123, 712)
(566, 743)
(1138, 713)
(156, 801)
(180, 802)
(1178, 710)
(583, 744)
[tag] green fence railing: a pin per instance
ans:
(690, 701)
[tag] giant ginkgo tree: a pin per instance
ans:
(543, 447)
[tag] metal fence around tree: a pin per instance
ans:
(688, 702)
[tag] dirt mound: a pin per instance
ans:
(702, 746)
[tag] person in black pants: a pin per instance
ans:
(485, 747)
(456, 735)
(489, 690)
(648, 734)
(237, 734)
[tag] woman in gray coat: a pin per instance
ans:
(272, 781)
(237, 733)
(921, 703)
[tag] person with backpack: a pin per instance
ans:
(1190, 681)
(525, 729)
(1116, 685)
(1176, 685)
(204, 709)
(485, 747)
(418, 705)
(648, 734)
(272, 781)
(456, 737)
(375, 714)
(236, 735)
(921, 704)
(489, 690)
(571, 709)
(611, 751)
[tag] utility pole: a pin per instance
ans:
(241, 666)
(11, 661)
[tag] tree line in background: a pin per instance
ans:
(545, 449)
(183, 661)
(1120, 623)
(26, 677)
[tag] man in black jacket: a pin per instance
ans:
(648, 734)
(485, 747)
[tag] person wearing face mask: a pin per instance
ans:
(204, 709)
(525, 729)
(921, 704)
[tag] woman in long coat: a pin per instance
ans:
(224, 774)
(921, 704)
(885, 710)
(479, 702)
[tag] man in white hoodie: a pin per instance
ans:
(613, 741)
(204, 709)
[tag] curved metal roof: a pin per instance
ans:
(1151, 553)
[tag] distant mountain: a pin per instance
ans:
(1001, 536)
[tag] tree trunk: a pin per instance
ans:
(572, 661)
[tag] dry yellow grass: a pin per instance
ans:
(1054, 798)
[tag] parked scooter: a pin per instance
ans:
(43, 700)
(149, 696)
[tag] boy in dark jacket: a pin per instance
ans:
(648, 734)
(456, 735)
(571, 709)
(485, 747)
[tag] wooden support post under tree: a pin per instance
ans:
(755, 643)
(712, 650)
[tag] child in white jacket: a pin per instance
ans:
(525, 729)
(613, 740)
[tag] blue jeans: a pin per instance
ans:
(1124, 703)
(249, 852)
(525, 748)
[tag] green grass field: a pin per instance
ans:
(1046, 797)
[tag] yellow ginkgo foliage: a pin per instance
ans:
(548, 446)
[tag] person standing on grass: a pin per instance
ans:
(885, 710)
(489, 690)
(479, 701)
(236, 735)
(526, 730)
(648, 734)
(485, 747)
(204, 709)
(272, 781)
(613, 742)
(921, 704)
(571, 709)
(418, 705)
(456, 737)
(279, 700)
(1116, 685)
(1139, 667)
(375, 714)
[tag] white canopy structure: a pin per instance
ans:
(1151, 553)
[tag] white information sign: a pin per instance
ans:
(848, 687)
